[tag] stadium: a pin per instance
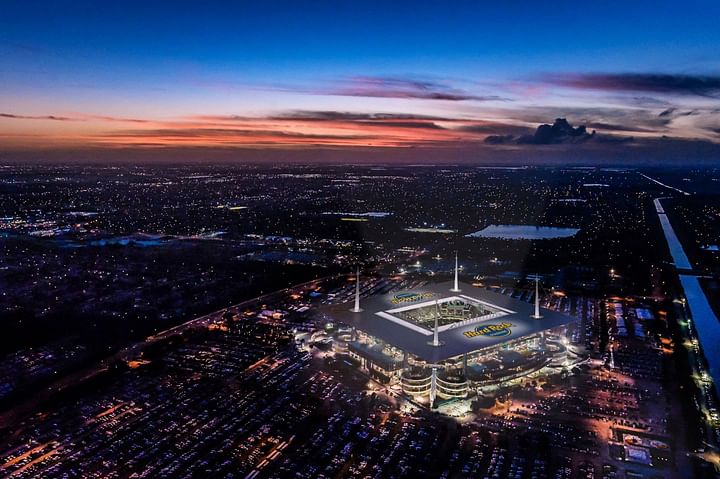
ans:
(447, 340)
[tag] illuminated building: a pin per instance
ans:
(447, 339)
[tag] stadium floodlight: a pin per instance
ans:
(456, 286)
(357, 308)
(436, 341)
(536, 314)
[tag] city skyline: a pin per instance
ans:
(403, 240)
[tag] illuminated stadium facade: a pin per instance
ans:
(446, 340)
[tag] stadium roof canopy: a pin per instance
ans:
(494, 319)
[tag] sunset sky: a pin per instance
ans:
(342, 75)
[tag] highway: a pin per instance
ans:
(664, 185)
(704, 320)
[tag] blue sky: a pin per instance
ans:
(162, 73)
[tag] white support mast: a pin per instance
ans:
(537, 314)
(436, 341)
(433, 386)
(357, 309)
(456, 287)
(436, 328)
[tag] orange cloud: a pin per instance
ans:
(305, 129)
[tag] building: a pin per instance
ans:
(446, 340)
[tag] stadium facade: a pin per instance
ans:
(446, 340)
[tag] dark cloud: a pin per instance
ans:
(398, 87)
(499, 139)
(607, 119)
(560, 132)
(202, 133)
(643, 101)
(702, 85)
(424, 125)
(407, 87)
(118, 119)
(597, 125)
(496, 129)
(44, 117)
(332, 115)
(668, 112)
(397, 120)
(77, 118)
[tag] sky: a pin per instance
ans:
(464, 78)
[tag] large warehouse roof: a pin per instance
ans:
(502, 319)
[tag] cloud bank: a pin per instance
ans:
(700, 85)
